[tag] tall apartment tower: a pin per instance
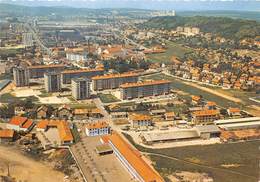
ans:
(80, 88)
(21, 76)
(27, 39)
(52, 82)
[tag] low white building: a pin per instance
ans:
(97, 128)
(77, 56)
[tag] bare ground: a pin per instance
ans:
(23, 168)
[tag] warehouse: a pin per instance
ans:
(241, 123)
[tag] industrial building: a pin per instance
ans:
(37, 71)
(80, 88)
(240, 123)
(68, 75)
(112, 81)
(52, 82)
(144, 89)
(21, 76)
(131, 159)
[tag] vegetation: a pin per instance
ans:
(199, 159)
(107, 98)
(222, 26)
(173, 49)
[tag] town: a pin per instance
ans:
(118, 97)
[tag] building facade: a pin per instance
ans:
(112, 81)
(97, 128)
(144, 89)
(37, 71)
(27, 39)
(52, 82)
(140, 120)
(21, 76)
(68, 75)
(80, 88)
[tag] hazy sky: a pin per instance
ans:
(253, 5)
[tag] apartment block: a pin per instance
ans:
(144, 89)
(37, 71)
(21, 76)
(68, 75)
(52, 82)
(112, 81)
(205, 116)
(80, 88)
(97, 128)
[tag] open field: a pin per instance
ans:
(23, 168)
(173, 49)
(107, 98)
(234, 162)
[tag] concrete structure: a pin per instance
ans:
(37, 71)
(18, 123)
(140, 120)
(27, 39)
(237, 124)
(80, 88)
(132, 160)
(208, 131)
(205, 116)
(52, 82)
(21, 76)
(144, 89)
(68, 75)
(97, 128)
(112, 81)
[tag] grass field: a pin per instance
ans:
(107, 98)
(173, 49)
(178, 84)
(243, 156)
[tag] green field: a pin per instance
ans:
(178, 84)
(209, 159)
(173, 49)
(107, 98)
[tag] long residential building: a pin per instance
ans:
(68, 75)
(131, 159)
(37, 71)
(112, 81)
(144, 89)
(21, 76)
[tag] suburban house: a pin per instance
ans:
(139, 120)
(97, 128)
(19, 123)
(7, 135)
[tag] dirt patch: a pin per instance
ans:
(23, 168)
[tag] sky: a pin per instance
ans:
(196, 5)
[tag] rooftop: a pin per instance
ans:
(6, 133)
(138, 117)
(134, 158)
(97, 125)
(128, 74)
(82, 70)
(47, 66)
(62, 126)
(144, 83)
(205, 113)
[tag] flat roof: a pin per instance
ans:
(128, 74)
(229, 121)
(208, 129)
(238, 125)
(82, 70)
(170, 135)
(144, 83)
(47, 66)
(103, 148)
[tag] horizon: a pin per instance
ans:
(177, 5)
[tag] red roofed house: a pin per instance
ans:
(7, 135)
(19, 123)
